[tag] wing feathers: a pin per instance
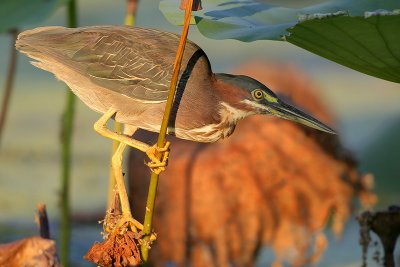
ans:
(134, 62)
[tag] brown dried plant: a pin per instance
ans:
(31, 251)
(119, 248)
(271, 183)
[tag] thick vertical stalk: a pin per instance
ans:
(9, 81)
(67, 128)
(151, 196)
(131, 8)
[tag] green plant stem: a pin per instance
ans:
(67, 128)
(9, 82)
(151, 196)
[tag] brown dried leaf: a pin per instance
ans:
(32, 251)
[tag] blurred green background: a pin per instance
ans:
(367, 110)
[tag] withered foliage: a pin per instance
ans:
(32, 251)
(273, 182)
(120, 246)
(118, 250)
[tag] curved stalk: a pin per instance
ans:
(151, 196)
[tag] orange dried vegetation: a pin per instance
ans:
(273, 182)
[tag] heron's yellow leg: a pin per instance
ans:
(100, 126)
(116, 164)
(155, 165)
(126, 221)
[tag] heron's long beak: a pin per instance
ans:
(289, 112)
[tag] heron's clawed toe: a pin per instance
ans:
(126, 223)
(163, 149)
(158, 165)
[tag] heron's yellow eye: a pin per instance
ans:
(258, 94)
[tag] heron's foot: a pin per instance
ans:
(158, 165)
(127, 223)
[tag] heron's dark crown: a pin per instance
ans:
(244, 82)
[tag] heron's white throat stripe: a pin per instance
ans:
(255, 104)
(231, 115)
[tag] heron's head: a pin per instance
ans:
(252, 97)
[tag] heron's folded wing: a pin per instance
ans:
(134, 64)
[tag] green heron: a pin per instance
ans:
(124, 73)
